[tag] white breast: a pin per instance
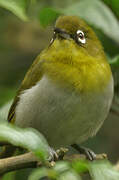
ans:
(64, 117)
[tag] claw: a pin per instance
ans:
(53, 155)
(90, 155)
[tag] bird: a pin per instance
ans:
(68, 90)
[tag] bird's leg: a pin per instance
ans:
(88, 153)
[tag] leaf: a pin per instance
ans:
(38, 174)
(18, 7)
(47, 16)
(6, 94)
(69, 175)
(61, 166)
(114, 62)
(27, 138)
(114, 4)
(80, 166)
(65, 171)
(96, 13)
(4, 111)
(103, 170)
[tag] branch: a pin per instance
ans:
(29, 160)
(117, 166)
(26, 160)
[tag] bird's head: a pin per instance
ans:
(73, 30)
(75, 56)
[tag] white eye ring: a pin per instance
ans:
(81, 36)
(51, 41)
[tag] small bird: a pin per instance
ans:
(67, 92)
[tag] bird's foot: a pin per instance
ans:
(57, 155)
(53, 155)
(90, 155)
(61, 153)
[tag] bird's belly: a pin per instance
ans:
(64, 117)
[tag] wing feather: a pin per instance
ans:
(32, 77)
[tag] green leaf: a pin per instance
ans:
(47, 16)
(4, 111)
(6, 94)
(114, 5)
(65, 172)
(114, 62)
(18, 7)
(40, 173)
(61, 167)
(9, 176)
(96, 13)
(27, 138)
(80, 166)
(103, 170)
(69, 175)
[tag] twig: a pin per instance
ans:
(26, 160)
(29, 160)
(117, 166)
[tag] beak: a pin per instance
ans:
(62, 33)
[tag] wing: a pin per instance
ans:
(32, 77)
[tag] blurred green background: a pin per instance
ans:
(24, 32)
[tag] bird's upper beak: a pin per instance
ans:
(62, 33)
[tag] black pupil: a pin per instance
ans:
(81, 35)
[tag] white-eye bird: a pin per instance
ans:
(67, 92)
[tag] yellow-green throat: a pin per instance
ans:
(75, 68)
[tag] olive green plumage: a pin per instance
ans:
(75, 68)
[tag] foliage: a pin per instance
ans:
(4, 111)
(27, 138)
(47, 16)
(17, 7)
(32, 140)
(114, 5)
(87, 9)
(115, 61)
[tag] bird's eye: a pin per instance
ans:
(81, 37)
